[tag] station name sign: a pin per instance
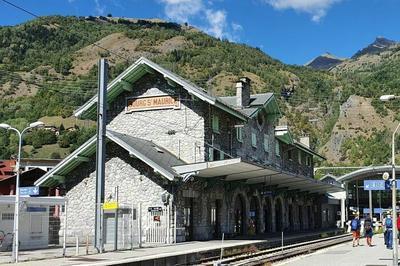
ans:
(379, 184)
(153, 103)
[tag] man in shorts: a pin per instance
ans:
(355, 229)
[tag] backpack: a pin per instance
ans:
(367, 225)
(354, 224)
(389, 223)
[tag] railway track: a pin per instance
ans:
(280, 253)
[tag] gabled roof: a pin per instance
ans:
(156, 157)
(283, 134)
(137, 70)
(306, 149)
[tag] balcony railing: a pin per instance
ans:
(296, 168)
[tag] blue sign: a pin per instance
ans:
(376, 210)
(36, 209)
(29, 191)
(379, 184)
(374, 185)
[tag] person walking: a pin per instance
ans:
(398, 228)
(384, 230)
(368, 231)
(355, 229)
(389, 231)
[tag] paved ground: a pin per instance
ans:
(51, 257)
(346, 255)
(134, 255)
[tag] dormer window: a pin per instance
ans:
(260, 120)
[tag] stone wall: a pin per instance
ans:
(136, 183)
(181, 131)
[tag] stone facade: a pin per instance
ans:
(181, 131)
(136, 183)
(205, 208)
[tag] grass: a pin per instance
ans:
(46, 151)
(67, 122)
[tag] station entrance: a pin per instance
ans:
(358, 196)
(240, 218)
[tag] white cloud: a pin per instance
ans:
(99, 8)
(217, 22)
(181, 10)
(214, 21)
(236, 27)
(317, 8)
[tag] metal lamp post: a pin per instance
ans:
(386, 98)
(16, 211)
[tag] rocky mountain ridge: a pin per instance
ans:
(59, 62)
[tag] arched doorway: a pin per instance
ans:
(239, 215)
(254, 216)
(278, 215)
(268, 216)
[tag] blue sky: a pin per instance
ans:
(293, 31)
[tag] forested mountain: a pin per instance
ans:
(48, 68)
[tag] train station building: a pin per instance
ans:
(214, 164)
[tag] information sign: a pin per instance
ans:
(29, 191)
(155, 209)
(111, 205)
(379, 184)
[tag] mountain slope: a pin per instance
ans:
(325, 61)
(57, 57)
(380, 45)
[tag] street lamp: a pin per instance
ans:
(16, 211)
(386, 98)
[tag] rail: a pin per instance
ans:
(279, 253)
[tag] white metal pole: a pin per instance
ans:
(342, 213)
(16, 211)
(175, 224)
(371, 212)
(222, 247)
(140, 224)
(65, 230)
(394, 230)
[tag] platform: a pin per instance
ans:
(179, 254)
(347, 255)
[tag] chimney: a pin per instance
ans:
(243, 92)
(305, 141)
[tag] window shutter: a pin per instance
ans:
(210, 154)
(266, 143)
(215, 124)
(253, 139)
(239, 134)
(277, 151)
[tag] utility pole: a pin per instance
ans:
(100, 153)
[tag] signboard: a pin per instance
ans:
(111, 205)
(154, 209)
(376, 210)
(379, 184)
(29, 191)
(152, 103)
(36, 209)
(267, 193)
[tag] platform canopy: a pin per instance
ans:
(368, 172)
(10, 199)
(239, 170)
